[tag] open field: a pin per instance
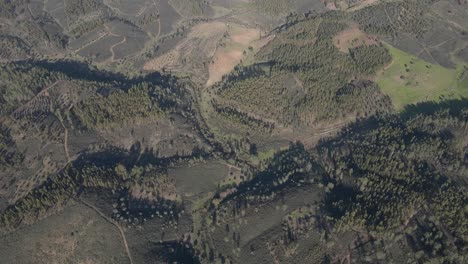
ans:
(409, 80)
(353, 37)
(193, 180)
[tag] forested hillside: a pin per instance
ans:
(398, 180)
(299, 56)
(233, 131)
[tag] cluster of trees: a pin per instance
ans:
(178, 252)
(131, 211)
(142, 100)
(85, 27)
(53, 193)
(368, 59)
(8, 8)
(76, 8)
(263, 99)
(363, 98)
(298, 223)
(84, 97)
(286, 168)
(9, 156)
(235, 115)
(146, 19)
(13, 48)
(244, 72)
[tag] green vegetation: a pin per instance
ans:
(408, 80)
(370, 59)
(9, 156)
(191, 172)
(387, 172)
(188, 8)
(21, 82)
(140, 101)
(249, 122)
(13, 48)
(95, 104)
(384, 176)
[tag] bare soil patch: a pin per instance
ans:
(236, 47)
(224, 62)
(353, 38)
(246, 36)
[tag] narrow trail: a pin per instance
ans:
(115, 45)
(109, 31)
(299, 82)
(102, 35)
(159, 28)
(391, 21)
(159, 19)
(42, 92)
(441, 43)
(230, 166)
(113, 223)
(428, 49)
(111, 48)
(65, 141)
(425, 49)
(306, 140)
(142, 10)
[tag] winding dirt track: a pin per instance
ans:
(115, 45)
(101, 35)
(112, 222)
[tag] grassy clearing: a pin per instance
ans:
(200, 178)
(409, 80)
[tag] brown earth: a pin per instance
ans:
(353, 37)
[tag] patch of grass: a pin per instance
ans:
(265, 155)
(409, 80)
(193, 180)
